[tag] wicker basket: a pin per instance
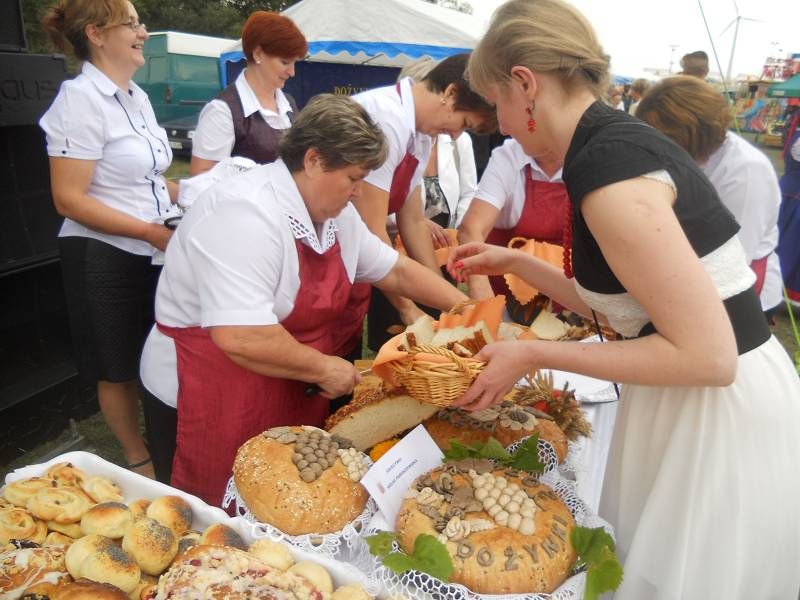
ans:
(440, 383)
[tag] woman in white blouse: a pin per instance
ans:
(249, 116)
(107, 158)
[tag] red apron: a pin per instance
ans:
(358, 306)
(221, 405)
(759, 267)
(542, 219)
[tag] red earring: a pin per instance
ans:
(531, 120)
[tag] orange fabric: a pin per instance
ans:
(550, 253)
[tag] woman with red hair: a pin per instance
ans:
(249, 116)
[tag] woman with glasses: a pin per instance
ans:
(107, 159)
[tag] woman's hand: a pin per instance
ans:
(506, 363)
(339, 378)
(478, 258)
(437, 235)
(158, 236)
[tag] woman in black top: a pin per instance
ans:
(709, 394)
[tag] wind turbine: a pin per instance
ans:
(735, 22)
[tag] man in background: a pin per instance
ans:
(695, 64)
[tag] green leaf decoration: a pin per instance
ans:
(596, 552)
(380, 544)
(430, 555)
(525, 458)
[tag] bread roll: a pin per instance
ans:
(274, 554)
(57, 539)
(139, 508)
(222, 535)
(85, 589)
(109, 564)
(24, 568)
(316, 574)
(66, 475)
(296, 479)
(506, 533)
(352, 591)
(152, 545)
(173, 512)
(62, 505)
(19, 492)
(101, 489)
(73, 530)
(147, 584)
(111, 519)
(80, 550)
(186, 541)
(19, 524)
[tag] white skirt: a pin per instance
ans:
(703, 486)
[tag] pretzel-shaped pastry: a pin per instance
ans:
(19, 492)
(19, 524)
(62, 505)
(101, 489)
(66, 475)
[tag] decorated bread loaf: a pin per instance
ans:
(506, 422)
(505, 532)
(301, 479)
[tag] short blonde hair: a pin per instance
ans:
(65, 22)
(688, 110)
(340, 129)
(548, 36)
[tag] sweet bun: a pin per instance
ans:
(21, 569)
(506, 422)
(110, 564)
(505, 532)
(274, 554)
(139, 508)
(57, 539)
(19, 492)
(222, 535)
(62, 505)
(301, 480)
(85, 589)
(41, 591)
(219, 573)
(73, 530)
(187, 540)
(173, 512)
(147, 583)
(19, 524)
(316, 574)
(101, 489)
(111, 519)
(80, 549)
(66, 475)
(151, 544)
(352, 591)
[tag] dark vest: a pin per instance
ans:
(254, 138)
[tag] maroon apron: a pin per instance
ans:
(358, 306)
(542, 219)
(759, 267)
(221, 404)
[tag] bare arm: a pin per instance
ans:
(413, 230)
(409, 278)
(172, 188)
(373, 206)
(642, 241)
(200, 165)
(475, 227)
(69, 181)
(272, 351)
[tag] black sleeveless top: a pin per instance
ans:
(253, 137)
(611, 146)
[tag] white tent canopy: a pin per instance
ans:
(380, 32)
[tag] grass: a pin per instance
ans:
(99, 439)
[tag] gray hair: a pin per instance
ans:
(340, 130)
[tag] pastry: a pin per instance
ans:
(151, 544)
(139, 508)
(375, 415)
(73, 530)
(85, 589)
(506, 422)
(101, 489)
(222, 535)
(187, 540)
(98, 558)
(65, 474)
(506, 533)
(352, 591)
(301, 480)
(111, 519)
(19, 524)
(21, 569)
(274, 554)
(173, 512)
(57, 539)
(62, 505)
(19, 492)
(316, 574)
(219, 573)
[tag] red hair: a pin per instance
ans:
(275, 34)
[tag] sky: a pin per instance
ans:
(640, 34)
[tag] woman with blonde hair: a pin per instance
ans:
(107, 159)
(698, 484)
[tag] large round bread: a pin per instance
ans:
(506, 422)
(524, 555)
(273, 488)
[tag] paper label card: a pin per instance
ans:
(390, 477)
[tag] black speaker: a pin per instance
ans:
(12, 31)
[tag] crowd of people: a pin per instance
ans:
(667, 221)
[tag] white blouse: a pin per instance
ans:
(503, 182)
(214, 137)
(92, 119)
